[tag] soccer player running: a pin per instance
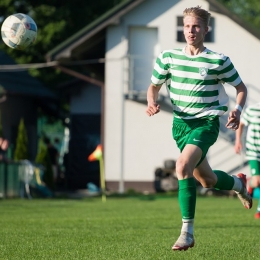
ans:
(194, 77)
(251, 119)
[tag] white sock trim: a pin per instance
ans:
(188, 226)
(237, 184)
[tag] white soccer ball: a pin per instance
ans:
(19, 31)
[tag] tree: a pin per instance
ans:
(249, 10)
(21, 150)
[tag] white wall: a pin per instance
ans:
(147, 142)
(134, 143)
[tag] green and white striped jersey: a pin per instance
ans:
(251, 118)
(195, 83)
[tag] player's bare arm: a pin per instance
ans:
(238, 142)
(152, 95)
(234, 115)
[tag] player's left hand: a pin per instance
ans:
(238, 146)
(233, 120)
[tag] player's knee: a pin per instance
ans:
(182, 169)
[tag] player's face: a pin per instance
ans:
(194, 30)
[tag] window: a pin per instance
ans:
(209, 37)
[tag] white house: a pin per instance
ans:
(129, 37)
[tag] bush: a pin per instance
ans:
(21, 150)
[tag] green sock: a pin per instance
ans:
(257, 193)
(187, 197)
(225, 181)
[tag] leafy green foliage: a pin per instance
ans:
(21, 150)
(249, 10)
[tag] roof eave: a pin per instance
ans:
(112, 17)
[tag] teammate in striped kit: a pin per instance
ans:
(251, 119)
(194, 76)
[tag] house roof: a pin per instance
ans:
(93, 29)
(76, 44)
(20, 82)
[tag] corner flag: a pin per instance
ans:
(97, 156)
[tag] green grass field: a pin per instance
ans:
(125, 228)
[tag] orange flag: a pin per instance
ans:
(96, 155)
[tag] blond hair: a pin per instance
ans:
(198, 12)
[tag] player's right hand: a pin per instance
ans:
(233, 120)
(152, 109)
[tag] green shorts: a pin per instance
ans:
(200, 132)
(254, 167)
